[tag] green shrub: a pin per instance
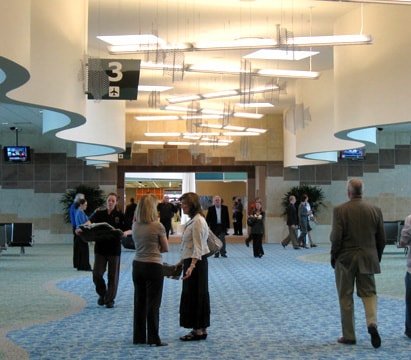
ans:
(93, 195)
(315, 197)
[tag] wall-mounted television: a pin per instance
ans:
(353, 154)
(16, 153)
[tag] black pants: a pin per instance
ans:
(148, 282)
(75, 249)
(167, 225)
(82, 254)
(238, 224)
(112, 264)
(219, 230)
(257, 245)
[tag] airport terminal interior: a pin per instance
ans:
(245, 99)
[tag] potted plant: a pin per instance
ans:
(93, 195)
(315, 197)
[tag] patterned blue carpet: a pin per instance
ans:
(277, 307)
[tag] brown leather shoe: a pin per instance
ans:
(343, 340)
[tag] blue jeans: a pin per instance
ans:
(408, 304)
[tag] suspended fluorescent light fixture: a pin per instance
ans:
(157, 118)
(151, 88)
(161, 134)
(182, 143)
(195, 117)
(211, 126)
(260, 131)
(179, 99)
(215, 68)
(149, 142)
(277, 54)
(160, 66)
(206, 143)
(122, 44)
(245, 43)
(219, 94)
(145, 39)
(389, 2)
(234, 127)
(240, 133)
(330, 40)
(297, 74)
(210, 68)
(247, 115)
(178, 108)
(255, 105)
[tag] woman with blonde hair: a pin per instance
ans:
(150, 240)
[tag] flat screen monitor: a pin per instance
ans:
(353, 154)
(20, 154)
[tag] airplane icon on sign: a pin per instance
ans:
(114, 91)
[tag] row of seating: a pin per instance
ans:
(16, 234)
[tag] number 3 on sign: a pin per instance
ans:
(115, 67)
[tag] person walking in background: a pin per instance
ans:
(219, 222)
(129, 213)
(357, 243)
(76, 239)
(166, 210)
(195, 298)
(107, 252)
(405, 241)
(238, 209)
(256, 223)
(150, 240)
(309, 219)
(80, 218)
(303, 214)
(292, 223)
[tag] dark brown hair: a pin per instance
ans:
(193, 202)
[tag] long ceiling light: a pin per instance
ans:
(277, 54)
(232, 70)
(211, 68)
(389, 2)
(123, 44)
(157, 118)
(221, 94)
(297, 74)
(255, 105)
(330, 40)
(219, 142)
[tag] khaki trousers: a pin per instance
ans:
(345, 278)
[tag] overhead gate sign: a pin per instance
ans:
(113, 79)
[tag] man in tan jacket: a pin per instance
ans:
(357, 243)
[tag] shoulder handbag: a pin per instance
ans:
(214, 243)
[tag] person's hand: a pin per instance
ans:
(188, 272)
(78, 231)
(127, 233)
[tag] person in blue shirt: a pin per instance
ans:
(76, 239)
(80, 218)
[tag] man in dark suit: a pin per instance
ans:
(357, 243)
(292, 223)
(219, 222)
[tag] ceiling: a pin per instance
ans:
(178, 21)
(211, 20)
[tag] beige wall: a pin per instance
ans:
(225, 189)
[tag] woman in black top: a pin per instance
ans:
(256, 223)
